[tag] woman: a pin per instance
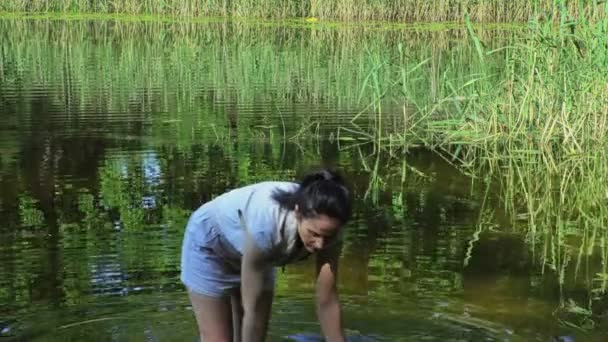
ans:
(233, 244)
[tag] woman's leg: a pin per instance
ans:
(213, 316)
(237, 316)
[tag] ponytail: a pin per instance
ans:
(321, 192)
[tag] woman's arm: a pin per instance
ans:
(257, 301)
(328, 305)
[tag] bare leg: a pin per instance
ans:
(213, 316)
(237, 316)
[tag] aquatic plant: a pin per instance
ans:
(386, 10)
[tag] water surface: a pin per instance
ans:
(112, 133)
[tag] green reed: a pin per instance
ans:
(548, 88)
(528, 121)
(548, 151)
(386, 10)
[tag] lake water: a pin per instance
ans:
(112, 132)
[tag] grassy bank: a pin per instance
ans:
(346, 10)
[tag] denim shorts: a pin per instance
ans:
(210, 266)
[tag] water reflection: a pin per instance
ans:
(116, 132)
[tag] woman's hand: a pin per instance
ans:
(328, 305)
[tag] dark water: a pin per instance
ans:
(112, 133)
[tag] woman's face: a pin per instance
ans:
(318, 231)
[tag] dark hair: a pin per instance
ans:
(322, 192)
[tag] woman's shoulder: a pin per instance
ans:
(259, 189)
(273, 184)
(255, 200)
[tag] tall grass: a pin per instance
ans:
(532, 129)
(542, 133)
(548, 88)
(393, 10)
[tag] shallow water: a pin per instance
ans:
(112, 133)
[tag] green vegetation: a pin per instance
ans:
(345, 10)
(547, 91)
(521, 113)
(269, 65)
(531, 131)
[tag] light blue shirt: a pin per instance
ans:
(274, 229)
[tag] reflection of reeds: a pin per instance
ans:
(196, 77)
(560, 207)
(205, 56)
(394, 10)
